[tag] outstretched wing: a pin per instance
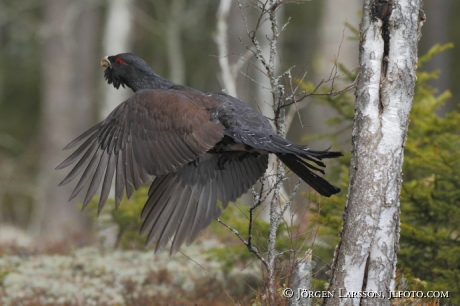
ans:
(155, 132)
(182, 203)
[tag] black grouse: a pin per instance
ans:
(201, 147)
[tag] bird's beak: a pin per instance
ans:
(105, 62)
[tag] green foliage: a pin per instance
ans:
(126, 218)
(430, 195)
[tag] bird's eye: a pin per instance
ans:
(120, 61)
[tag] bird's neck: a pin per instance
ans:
(151, 81)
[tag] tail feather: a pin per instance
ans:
(285, 146)
(261, 140)
(301, 168)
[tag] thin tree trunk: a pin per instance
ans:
(264, 102)
(300, 282)
(437, 32)
(173, 28)
(365, 259)
(174, 18)
(117, 33)
(227, 76)
(266, 106)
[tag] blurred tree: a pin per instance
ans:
(436, 32)
(117, 38)
(171, 36)
(69, 54)
(338, 20)
(454, 37)
(19, 88)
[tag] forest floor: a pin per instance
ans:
(100, 275)
(96, 275)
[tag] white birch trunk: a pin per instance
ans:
(300, 282)
(365, 259)
(117, 32)
(227, 77)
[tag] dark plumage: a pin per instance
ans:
(201, 148)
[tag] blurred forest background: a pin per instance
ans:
(52, 88)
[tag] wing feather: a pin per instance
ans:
(119, 182)
(74, 156)
(97, 177)
(183, 203)
(155, 132)
(128, 173)
(82, 137)
(107, 184)
(87, 173)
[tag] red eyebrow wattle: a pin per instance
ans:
(120, 61)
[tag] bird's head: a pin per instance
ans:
(126, 69)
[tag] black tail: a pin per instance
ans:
(302, 169)
(282, 145)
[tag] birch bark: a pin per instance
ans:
(117, 33)
(365, 259)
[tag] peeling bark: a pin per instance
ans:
(365, 259)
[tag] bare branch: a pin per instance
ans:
(257, 203)
(291, 197)
(194, 261)
(332, 94)
(251, 247)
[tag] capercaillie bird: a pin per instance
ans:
(201, 147)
